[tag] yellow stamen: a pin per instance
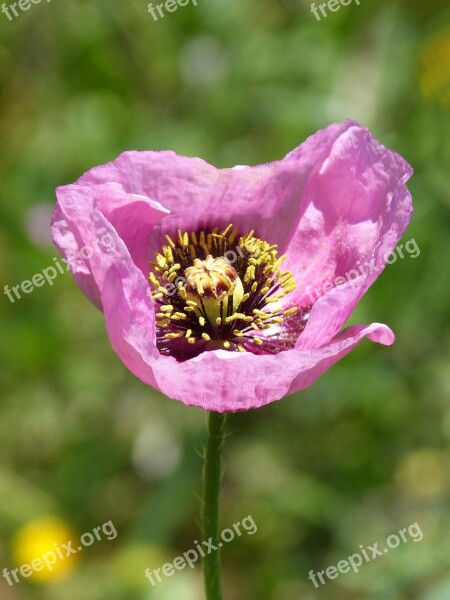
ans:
(170, 242)
(212, 291)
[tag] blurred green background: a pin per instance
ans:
(361, 454)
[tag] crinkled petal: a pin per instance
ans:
(217, 380)
(69, 247)
(264, 198)
(132, 217)
(136, 189)
(355, 208)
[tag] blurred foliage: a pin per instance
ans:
(361, 454)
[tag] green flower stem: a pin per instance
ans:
(212, 479)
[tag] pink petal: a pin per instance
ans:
(69, 247)
(216, 380)
(132, 217)
(264, 198)
(354, 210)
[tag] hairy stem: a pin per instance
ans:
(212, 478)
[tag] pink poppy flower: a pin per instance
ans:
(228, 289)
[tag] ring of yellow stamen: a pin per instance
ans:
(216, 290)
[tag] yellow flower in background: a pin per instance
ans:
(40, 544)
(424, 473)
(434, 59)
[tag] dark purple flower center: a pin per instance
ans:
(214, 290)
